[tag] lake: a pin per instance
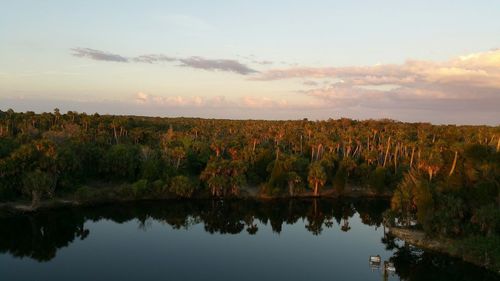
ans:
(217, 240)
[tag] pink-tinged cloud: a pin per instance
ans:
(480, 70)
(180, 101)
(245, 102)
(469, 83)
(264, 102)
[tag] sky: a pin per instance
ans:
(420, 61)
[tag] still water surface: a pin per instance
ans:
(216, 240)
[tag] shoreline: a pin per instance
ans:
(24, 206)
(445, 246)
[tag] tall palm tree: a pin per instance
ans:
(317, 177)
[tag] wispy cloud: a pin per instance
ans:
(97, 55)
(153, 58)
(196, 62)
(254, 60)
(263, 62)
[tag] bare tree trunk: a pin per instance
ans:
(355, 151)
(301, 144)
(316, 188)
(387, 151)
(348, 150)
(115, 134)
(396, 159)
(319, 151)
(411, 158)
(454, 164)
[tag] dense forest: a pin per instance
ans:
(444, 179)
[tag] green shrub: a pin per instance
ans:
(83, 193)
(340, 178)
(140, 188)
(159, 187)
(484, 250)
(182, 186)
(377, 179)
(125, 192)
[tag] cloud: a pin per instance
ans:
(180, 101)
(310, 83)
(154, 58)
(236, 111)
(343, 96)
(263, 62)
(264, 102)
(196, 62)
(141, 97)
(338, 95)
(245, 102)
(478, 70)
(218, 64)
(469, 82)
(464, 89)
(97, 55)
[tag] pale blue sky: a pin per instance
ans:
(44, 63)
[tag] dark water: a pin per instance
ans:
(216, 240)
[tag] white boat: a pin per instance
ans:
(375, 259)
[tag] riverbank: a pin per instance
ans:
(100, 193)
(480, 251)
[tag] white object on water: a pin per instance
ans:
(390, 267)
(375, 259)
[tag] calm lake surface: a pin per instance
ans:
(216, 240)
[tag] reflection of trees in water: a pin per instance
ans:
(41, 234)
(413, 264)
(38, 236)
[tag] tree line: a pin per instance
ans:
(41, 154)
(448, 173)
